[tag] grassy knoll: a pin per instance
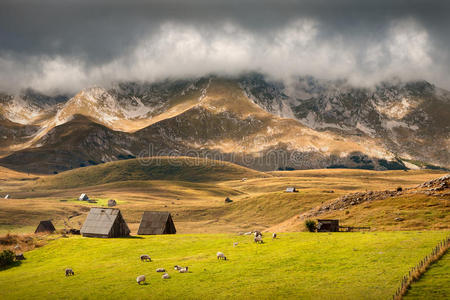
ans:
(297, 265)
(155, 168)
(434, 284)
(195, 196)
(417, 211)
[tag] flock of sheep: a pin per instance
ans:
(141, 278)
(220, 255)
(146, 258)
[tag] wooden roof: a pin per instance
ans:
(45, 226)
(100, 221)
(156, 222)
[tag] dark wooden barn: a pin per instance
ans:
(45, 226)
(327, 225)
(156, 222)
(105, 223)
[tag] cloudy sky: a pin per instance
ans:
(66, 45)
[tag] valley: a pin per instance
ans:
(194, 190)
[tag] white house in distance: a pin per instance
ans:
(83, 197)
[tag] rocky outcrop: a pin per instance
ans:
(436, 187)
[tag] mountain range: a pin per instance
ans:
(250, 120)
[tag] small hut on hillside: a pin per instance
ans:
(156, 222)
(83, 197)
(327, 225)
(45, 226)
(7, 197)
(105, 223)
(291, 190)
(112, 202)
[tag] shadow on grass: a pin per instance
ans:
(133, 237)
(14, 264)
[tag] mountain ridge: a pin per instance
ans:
(235, 119)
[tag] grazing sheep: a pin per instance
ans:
(258, 233)
(220, 255)
(177, 268)
(258, 239)
(184, 270)
(160, 270)
(69, 272)
(235, 244)
(165, 276)
(274, 235)
(140, 279)
(145, 258)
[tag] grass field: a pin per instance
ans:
(435, 283)
(294, 266)
(194, 190)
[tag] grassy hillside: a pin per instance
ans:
(434, 284)
(155, 168)
(414, 212)
(199, 207)
(297, 265)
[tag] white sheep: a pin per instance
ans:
(165, 276)
(220, 255)
(140, 279)
(274, 235)
(145, 257)
(184, 270)
(161, 270)
(235, 244)
(258, 239)
(177, 268)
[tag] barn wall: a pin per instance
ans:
(170, 226)
(119, 228)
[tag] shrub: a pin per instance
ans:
(6, 258)
(310, 225)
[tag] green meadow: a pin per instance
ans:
(294, 266)
(434, 284)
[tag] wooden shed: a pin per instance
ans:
(291, 189)
(45, 226)
(105, 223)
(324, 225)
(83, 197)
(156, 222)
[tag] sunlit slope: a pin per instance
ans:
(296, 265)
(220, 122)
(155, 168)
(424, 206)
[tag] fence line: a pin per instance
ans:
(416, 272)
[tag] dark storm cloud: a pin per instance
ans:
(68, 45)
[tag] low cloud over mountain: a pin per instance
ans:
(64, 46)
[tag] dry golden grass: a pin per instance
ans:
(20, 243)
(199, 207)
